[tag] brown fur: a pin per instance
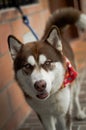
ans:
(62, 18)
(36, 49)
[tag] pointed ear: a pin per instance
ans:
(14, 46)
(53, 37)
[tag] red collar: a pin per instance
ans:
(70, 74)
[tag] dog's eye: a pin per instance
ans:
(48, 65)
(48, 62)
(27, 66)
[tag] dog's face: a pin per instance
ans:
(39, 66)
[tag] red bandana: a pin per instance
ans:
(70, 75)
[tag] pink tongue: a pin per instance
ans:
(42, 96)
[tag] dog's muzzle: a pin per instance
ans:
(40, 87)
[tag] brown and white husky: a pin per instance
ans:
(41, 69)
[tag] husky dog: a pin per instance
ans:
(45, 70)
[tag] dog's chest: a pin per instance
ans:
(57, 104)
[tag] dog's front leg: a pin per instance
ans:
(49, 122)
(61, 123)
(53, 123)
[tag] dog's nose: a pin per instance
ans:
(40, 85)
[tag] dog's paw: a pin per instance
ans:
(81, 115)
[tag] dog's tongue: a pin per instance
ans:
(42, 95)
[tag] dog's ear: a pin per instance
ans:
(14, 46)
(53, 37)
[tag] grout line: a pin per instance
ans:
(9, 102)
(1, 55)
(23, 120)
(8, 85)
(13, 114)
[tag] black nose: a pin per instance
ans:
(40, 85)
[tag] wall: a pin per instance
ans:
(13, 108)
(83, 5)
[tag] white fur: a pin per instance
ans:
(52, 78)
(59, 102)
(49, 122)
(31, 60)
(42, 59)
(82, 21)
(14, 44)
(25, 83)
(59, 73)
(53, 37)
(53, 122)
(41, 74)
(55, 106)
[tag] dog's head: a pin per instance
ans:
(39, 66)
